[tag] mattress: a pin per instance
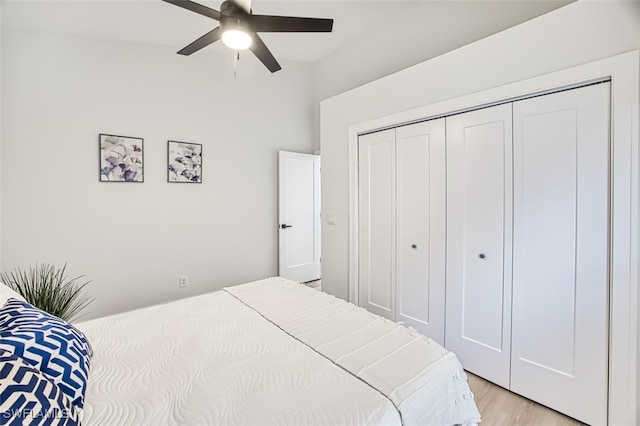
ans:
(425, 382)
(220, 359)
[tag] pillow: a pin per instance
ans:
(27, 396)
(53, 346)
(7, 292)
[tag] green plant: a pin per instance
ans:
(48, 288)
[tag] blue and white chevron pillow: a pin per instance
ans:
(48, 343)
(27, 396)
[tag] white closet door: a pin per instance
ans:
(421, 208)
(377, 219)
(560, 282)
(479, 214)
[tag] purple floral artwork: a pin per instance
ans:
(121, 159)
(184, 162)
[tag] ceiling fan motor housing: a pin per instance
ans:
(234, 17)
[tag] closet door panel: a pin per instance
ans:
(377, 233)
(478, 240)
(561, 234)
(421, 208)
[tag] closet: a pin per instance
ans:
(402, 225)
(523, 286)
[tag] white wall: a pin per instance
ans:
(414, 33)
(578, 33)
(134, 240)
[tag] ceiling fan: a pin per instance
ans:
(239, 27)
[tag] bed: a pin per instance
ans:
(270, 352)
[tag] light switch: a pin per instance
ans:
(331, 219)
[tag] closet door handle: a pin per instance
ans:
(481, 256)
(413, 246)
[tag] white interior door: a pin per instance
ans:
(479, 200)
(421, 209)
(299, 216)
(561, 234)
(377, 218)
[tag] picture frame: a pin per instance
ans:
(121, 158)
(184, 162)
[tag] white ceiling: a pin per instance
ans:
(154, 21)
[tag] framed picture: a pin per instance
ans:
(121, 159)
(184, 162)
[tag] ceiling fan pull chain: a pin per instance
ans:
(236, 58)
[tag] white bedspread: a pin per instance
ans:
(210, 360)
(424, 381)
(213, 360)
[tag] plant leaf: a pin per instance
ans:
(48, 288)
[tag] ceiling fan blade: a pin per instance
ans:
(197, 8)
(263, 53)
(210, 37)
(289, 24)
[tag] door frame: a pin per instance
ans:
(624, 73)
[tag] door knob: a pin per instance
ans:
(285, 226)
(413, 246)
(481, 256)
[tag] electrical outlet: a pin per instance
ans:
(183, 280)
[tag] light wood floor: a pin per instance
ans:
(317, 284)
(499, 407)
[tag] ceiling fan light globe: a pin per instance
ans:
(237, 39)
